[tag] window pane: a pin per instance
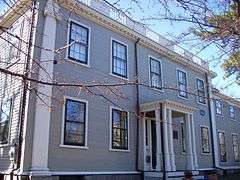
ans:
(222, 146)
(75, 122)
(74, 133)
(119, 59)
(205, 140)
(75, 111)
(119, 129)
(5, 114)
(79, 43)
(155, 73)
(182, 84)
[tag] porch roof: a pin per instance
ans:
(173, 105)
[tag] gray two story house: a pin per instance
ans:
(88, 93)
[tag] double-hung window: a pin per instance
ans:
(119, 129)
(218, 107)
(78, 41)
(75, 123)
(222, 146)
(119, 59)
(201, 91)
(205, 140)
(235, 147)
(231, 111)
(182, 84)
(5, 117)
(155, 73)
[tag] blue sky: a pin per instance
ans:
(164, 28)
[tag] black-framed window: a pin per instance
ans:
(183, 139)
(78, 41)
(205, 140)
(201, 91)
(119, 129)
(218, 105)
(5, 118)
(119, 59)
(155, 73)
(222, 147)
(182, 84)
(231, 111)
(235, 142)
(75, 123)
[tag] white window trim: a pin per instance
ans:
(89, 43)
(221, 101)
(110, 132)
(149, 73)
(205, 153)
(63, 124)
(205, 93)
(10, 121)
(236, 134)
(222, 131)
(180, 69)
(111, 59)
(229, 105)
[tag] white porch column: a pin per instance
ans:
(158, 134)
(195, 160)
(39, 165)
(165, 139)
(170, 139)
(190, 165)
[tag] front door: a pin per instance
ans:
(150, 145)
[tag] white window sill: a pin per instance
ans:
(119, 150)
(73, 147)
(120, 77)
(4, 145)
(76, 62)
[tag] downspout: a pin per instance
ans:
(137, 101)
(25, 86)
(162, 145)
(211, 119)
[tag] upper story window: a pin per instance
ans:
(201, 91)
(219, 107)
(222, 146)
(235, 142)
(205, 140)
(5, 117)
(155, 73)
(119, 129)
(182, 84)
(119, 59)
(231, 111)
(78, 40)
(75, 123)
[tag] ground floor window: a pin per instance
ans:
(222, 146)
(119, 129)
(235, 147)
(5, 117)
(75, 122)
(205, 140)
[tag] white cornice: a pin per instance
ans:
(226, 98)
(18, 9)
(168, 104)
(105, 21)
